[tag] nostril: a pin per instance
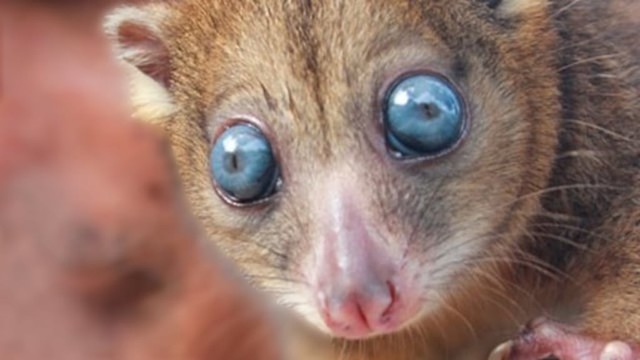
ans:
(363, 316)
(393, 292)
(386, 315)
(393, 299)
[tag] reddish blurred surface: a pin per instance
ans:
(98, 259)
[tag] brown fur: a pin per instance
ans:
(540, 205)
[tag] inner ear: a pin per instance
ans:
(138, 40)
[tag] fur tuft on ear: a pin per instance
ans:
(138, 41)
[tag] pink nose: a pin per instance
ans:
(360, 287)
(359, 313)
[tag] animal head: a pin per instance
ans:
(361, 160)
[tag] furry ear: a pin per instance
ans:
(138, 41)
(137, 36)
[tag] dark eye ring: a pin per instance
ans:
(244, 168)
(424, 116)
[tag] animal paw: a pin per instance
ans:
(543, 339)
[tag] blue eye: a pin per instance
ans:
(243, 164)
(423, 116)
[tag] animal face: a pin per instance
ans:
(363, 161)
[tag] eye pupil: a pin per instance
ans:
(430, 111)
(423, 116)
(242, 164)
(234, 163)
